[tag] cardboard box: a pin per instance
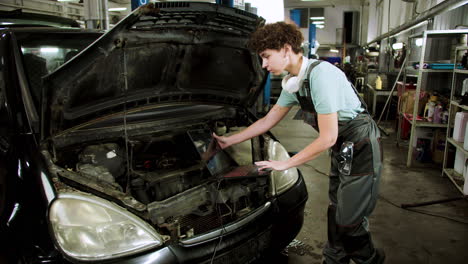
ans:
(439, 146)
(407, 102)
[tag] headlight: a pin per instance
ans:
(281, 180)
(90, 228)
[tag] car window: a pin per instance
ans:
(53, 51)
(45, 52)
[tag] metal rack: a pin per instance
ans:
(455, 106)
(436, 47)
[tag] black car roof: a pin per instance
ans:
(18, 18)
(50, 30)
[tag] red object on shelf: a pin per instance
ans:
(408, 86)
(409, 117)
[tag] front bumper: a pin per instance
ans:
(271, 230)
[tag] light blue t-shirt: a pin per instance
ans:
(330, 91)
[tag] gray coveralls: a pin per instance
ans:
(354, 196)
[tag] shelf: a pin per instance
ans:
(413, 72)
(423, 123)
(432, 70)
(464, 107)
(437, 54)
(458, 145)
(456, 178)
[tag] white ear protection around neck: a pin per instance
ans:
(290, 83)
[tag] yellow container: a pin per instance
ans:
(378, 83)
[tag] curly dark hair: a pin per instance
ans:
(275, 36)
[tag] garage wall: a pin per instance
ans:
(452, 19)
(385, 15)
(333, 20)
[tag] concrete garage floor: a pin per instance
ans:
(406, 236)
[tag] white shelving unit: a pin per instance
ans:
(458, 76)
(437, 47)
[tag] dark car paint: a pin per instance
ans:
(254, 242)
(163, 62)
(24, 223)
(18, 18)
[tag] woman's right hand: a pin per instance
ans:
(223, 142)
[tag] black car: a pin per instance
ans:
(109, 158)
(19, 18)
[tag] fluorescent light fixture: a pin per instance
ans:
(115, 9)
(397, 46)
(68, 0)
(334, 50)
(318, 22)
(6, 23)
(419, 42)
(319, 26)
(49, 50)
(317, 18)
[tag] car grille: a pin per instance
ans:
(202, 224)
(248, 252)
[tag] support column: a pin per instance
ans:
(96, 14)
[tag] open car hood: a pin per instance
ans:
(160, 53)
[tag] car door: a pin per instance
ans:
(8, 183)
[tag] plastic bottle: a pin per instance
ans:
(461, 118)
(438, 114)
(465, 174)
(429, 111)
(378, 83)
(465, 143)
(445, 116)
(460, 159)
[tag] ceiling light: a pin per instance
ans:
(68, 0)
(334, 50)
(311, 0)
(115, 9)
(317, 18)
(318, 22)
(397, 46)
(319, 26)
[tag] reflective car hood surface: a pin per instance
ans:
(160, 53)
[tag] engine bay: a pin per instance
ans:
(185, 192)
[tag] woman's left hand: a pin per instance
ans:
(272, 164)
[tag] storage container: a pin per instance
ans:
(465, 175)
(465, 143)
(461, 119)
(460, 159)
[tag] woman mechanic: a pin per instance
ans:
(331, 105)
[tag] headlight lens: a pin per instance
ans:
(87, 227)
(281, 180)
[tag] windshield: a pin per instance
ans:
(44, 52)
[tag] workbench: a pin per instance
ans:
(371, 95)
